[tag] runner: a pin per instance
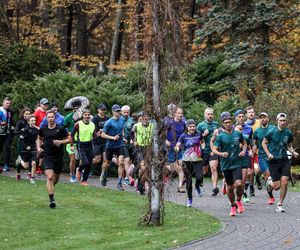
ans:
(21, 124)
(228, 147)
(6, 131)
(99, 143)
(113, 131)
(41, 111)
(128, 149)
(190, 142)
(84, 131)
(275, 144)
(53, 137)
(59, 119)
(263, 160)
(207, 128)
(29, 136)
(73, 154)
(175, 128)
(142, 140)
(247, 161)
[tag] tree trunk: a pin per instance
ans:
(118, 35)
(69, 34)
(62, 30)
(81, 32)
(266, 57)
(139, 45)
(192, 26)
(7, 23)
(45, 5)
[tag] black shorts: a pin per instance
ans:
(99, 149)
(280, 168)
(128, 151)
(110, 152)
(231, 175)
(207, 158)
(29, 156)
(54, 163)
(247, 162)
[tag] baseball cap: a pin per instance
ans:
(190, 122)
(44, 101)
(115, 108)
(101, 106)
(281, 115)
(238, 112)
(263, 114)
(171, 106)
(225, 115)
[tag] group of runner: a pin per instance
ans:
(244, 147)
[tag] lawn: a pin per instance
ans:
(90, 218)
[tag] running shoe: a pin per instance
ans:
(269, 183)
(240, 207)
(279, 208)
(189, 203)
(28, 176)
(103, 180)
(6, 168)
(198, 190)
(18, 177)
(120, 187)
(224, 189)
(245, 198)
(131, 181)
(84, 183)
(180, 189)
(78, 174)
(215, 191)
(32, 181)
(252, 191)
(258, 182)
(271, 201)
(52, 204)
(233, 210)
(73, 179)
(126, 181)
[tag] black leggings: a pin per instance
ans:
(189, 168)
(85, 151)
(5, 145)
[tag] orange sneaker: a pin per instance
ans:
(84, 183)
(240, 206)
(271, 201)
(233, 210)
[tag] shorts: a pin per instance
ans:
(68, 149)
(56, 164)
(264, 164)
(110, 152)
(128, 151)
(174, 156)
(208, 157)
(99, 149)
(231, 175)
(29, 156)
(246, 162)
(279, 168)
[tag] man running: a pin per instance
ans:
(113, 131)
(175, 128)
(99, 143)
(41, 111)
(228, 147)
(53, 137)
(247, 161)
(128, 149)
(263, 161)
(6, 131)
(207, 128)
(59, 119)
(84, 132)
(275, 144)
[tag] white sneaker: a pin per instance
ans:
(269, 183)
(279, 208)
(32, 181)
(73, 179)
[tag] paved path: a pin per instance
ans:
(260, 227)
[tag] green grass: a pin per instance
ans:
(90, 218)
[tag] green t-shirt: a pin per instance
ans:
(278, 141)
(69, 122)
(258, 136)
(230, 143)
(211, 127)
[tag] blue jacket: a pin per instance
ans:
(59, 120)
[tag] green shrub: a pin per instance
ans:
(19, 62)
